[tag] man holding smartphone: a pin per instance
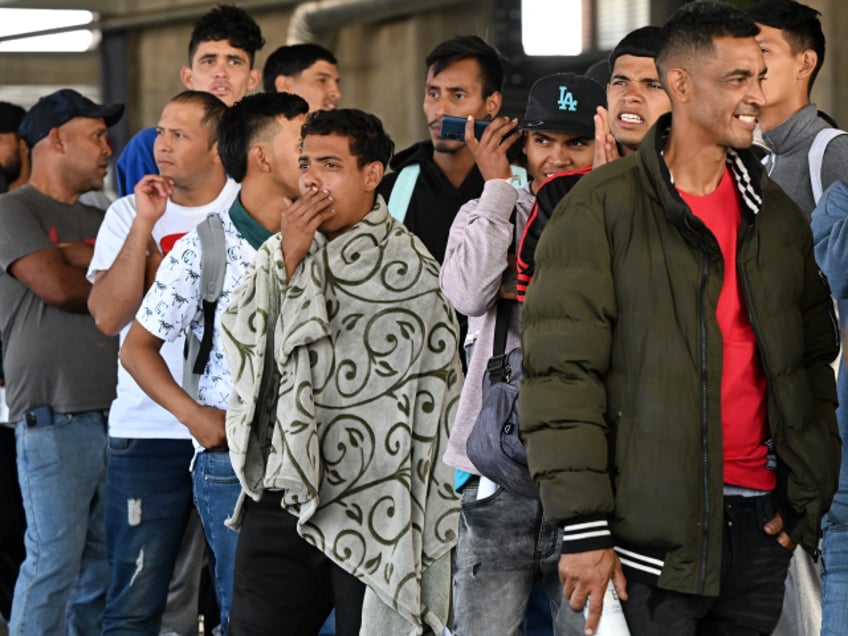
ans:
(464, 79)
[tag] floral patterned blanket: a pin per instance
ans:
(351, 413)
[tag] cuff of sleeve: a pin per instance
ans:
(585, 534)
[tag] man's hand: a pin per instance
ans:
(76, 253)
(490, 152)
(207, 426)
(299, 222)
(774, 527)
(151, 197)
(606, 150)
(586, 574)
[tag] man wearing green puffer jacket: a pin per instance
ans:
(678, 403)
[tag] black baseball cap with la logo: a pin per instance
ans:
(564, 103)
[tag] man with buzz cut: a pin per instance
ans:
(148, 482)
(678, 400)
(221, 54)
(308, 70)
(60, 368)
(173, 306)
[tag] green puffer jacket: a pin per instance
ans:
(620, 407)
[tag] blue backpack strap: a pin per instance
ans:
(519, 176)
(402, 192)
(404, 185)
(815, 158)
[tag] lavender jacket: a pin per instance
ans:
(475, 261)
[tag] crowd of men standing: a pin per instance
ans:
(270, 352)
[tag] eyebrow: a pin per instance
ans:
(744, 72)
(622, 76)
(229, 56)
(451, 89)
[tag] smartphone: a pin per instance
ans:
(39, 416)
(454, 128)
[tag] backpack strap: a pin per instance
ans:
(402, 191)
(404, 185)
(213, 266)
(520, 176)
(816, 157)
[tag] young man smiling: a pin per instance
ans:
(676, 316)
(221, 53)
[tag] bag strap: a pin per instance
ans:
(816, 157)
(520, 176)
(498, 362)
(402, 191)
(213, 259)
(405, 184)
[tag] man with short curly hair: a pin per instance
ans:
(221, 54)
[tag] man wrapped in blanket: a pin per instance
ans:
(344, 355)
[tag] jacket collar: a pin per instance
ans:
(746, 170)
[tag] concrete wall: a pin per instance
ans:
(381, 64)
(830, 91)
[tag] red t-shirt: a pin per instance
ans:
(743, 383)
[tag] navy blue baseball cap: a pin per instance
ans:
(564, 103)
(55, 109)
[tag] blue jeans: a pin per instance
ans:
(216, 490)
(505, 549)
(148, 500)
(835, 526)
(61, 587)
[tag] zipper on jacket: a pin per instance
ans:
(705, 528)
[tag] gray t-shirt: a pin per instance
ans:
(51, 357)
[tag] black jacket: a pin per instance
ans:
(435, 201)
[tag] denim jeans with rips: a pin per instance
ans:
(148, 501)
(505, 549)
(61, 587)
(216, 490)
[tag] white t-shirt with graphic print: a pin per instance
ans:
(133, 413)
(173, 304)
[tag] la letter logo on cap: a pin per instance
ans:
(566, 99)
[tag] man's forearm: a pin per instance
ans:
(141, 357)
(118, 291)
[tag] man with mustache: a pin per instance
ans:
(148, 482)
(61, 368)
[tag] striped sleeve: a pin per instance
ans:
(588, 533)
